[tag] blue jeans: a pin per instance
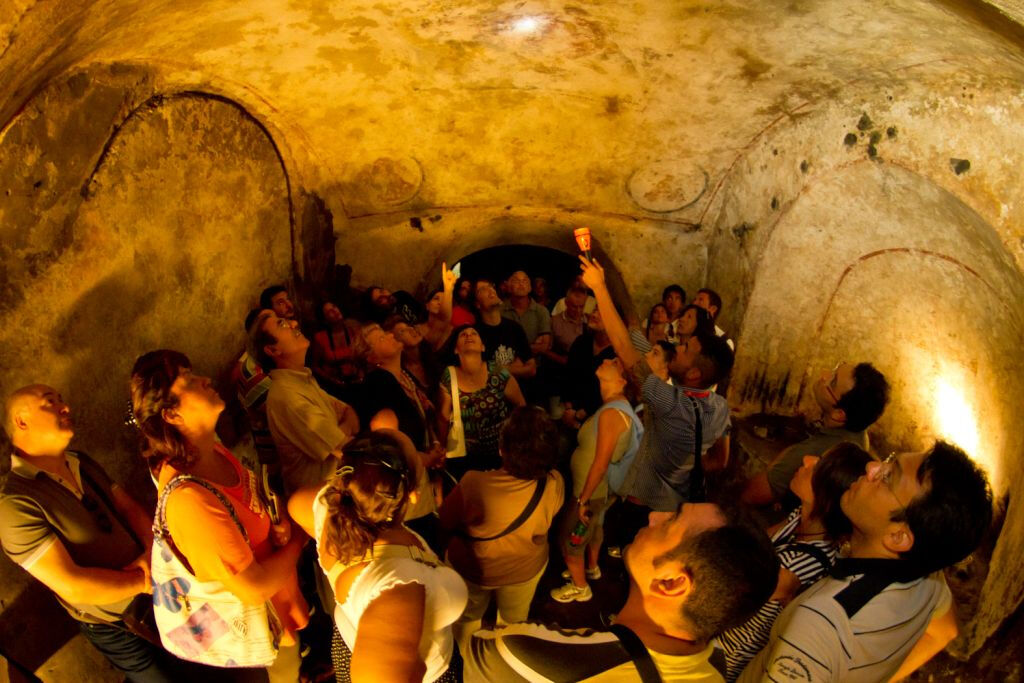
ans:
(140, 660)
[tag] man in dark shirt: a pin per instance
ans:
(504, 340)
(581, 392)
(80, 534)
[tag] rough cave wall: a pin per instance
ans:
(129, 221)
(888, 228)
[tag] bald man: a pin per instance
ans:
(67, 524)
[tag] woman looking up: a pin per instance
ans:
(177, 413)
(395, 601)
(486, 395)
(610, 434)
(333, 353)
(392, 397)
(693, 319)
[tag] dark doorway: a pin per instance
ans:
(558, 268)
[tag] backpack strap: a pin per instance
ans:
(697, 473)
(638, 653)
(817, 553)
(538, 493)
(160, 530)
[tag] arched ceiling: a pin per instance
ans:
(588, 104)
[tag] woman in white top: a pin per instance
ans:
(396, 602)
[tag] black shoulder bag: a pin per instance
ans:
(518, 521)
(697, 494)
(638, 653)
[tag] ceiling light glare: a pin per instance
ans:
(527, 24)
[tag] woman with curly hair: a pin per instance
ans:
(177, 412)
(499, 520)
(395, 601)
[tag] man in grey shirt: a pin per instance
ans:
(885, 609)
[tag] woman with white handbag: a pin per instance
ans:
(475, 399)
(225, 586)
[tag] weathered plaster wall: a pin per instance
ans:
(127, 226)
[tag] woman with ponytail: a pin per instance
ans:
(395, 601)
(177, 412)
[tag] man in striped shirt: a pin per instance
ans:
(885, 610)
(660, 478)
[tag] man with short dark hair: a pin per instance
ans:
(693, 573)
(660, 478)
(504, 340)
(673, 298)
(710, 301)
(379, 304)
(65, 522)
(308, 425)
(851, 398)
(885, 610)
(276, 299)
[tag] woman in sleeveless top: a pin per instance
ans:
(177, 412)
(487, 394)
(807, 543)
(333, 353)
(395, 601)
(604, 439)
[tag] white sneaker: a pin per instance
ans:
(594, 573)
(570, 592)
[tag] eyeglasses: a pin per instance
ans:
(828, 384)
(886, 471)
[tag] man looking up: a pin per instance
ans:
(660, 478)
(309, 426)
(850, 399)
(885, 610)
(521, 308)
(710, 301)
(504, 340)
(693, 573)
(67, 524)
(276, 299)
(674, 299)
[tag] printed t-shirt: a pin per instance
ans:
(504, 342)
(532, 652)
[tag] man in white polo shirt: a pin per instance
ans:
(885, 610)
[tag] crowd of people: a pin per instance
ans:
(417, 461)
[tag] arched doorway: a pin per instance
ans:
(556, 268)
